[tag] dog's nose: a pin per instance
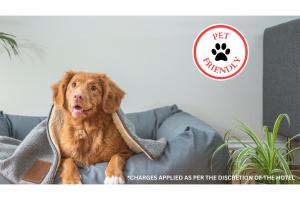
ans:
(78, 97)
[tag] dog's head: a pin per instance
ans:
(84, 94)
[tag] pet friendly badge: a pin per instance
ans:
(220, 52)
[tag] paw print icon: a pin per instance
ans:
(220, 52)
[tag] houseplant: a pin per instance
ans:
(8, 42)
(263, 159)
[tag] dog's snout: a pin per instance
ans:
(78, 97)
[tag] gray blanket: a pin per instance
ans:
(17, 157)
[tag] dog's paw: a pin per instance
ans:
(114, 180)
(71, 181)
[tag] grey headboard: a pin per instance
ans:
(281, 75)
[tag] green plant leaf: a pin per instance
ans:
(268, 135)
(284, 165)
(291, 151)
(9, 43)
(291, 139)
(277, 125)
(250, 133)
(214, 154)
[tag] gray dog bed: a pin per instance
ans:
(184, 158)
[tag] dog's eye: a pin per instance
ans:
(93, 88)
(74, 84)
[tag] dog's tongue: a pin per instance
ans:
(77, 110)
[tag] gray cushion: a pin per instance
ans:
(147, 122)
(179, 122)
(17, 126)
(4, 125)
(191, 143)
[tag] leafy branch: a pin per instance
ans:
(9, 43)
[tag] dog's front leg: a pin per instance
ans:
(114, 171)
(69, 172)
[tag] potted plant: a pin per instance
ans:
(264, 160)
(9, 43)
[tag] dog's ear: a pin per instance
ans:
(59, 89)
(112, 95)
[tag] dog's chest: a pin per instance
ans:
(80, 144)
(92, 146)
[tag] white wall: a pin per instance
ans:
(150, 58)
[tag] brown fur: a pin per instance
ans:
(91, 137)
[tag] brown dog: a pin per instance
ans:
(89, 135)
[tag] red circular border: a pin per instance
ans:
(220, 26)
